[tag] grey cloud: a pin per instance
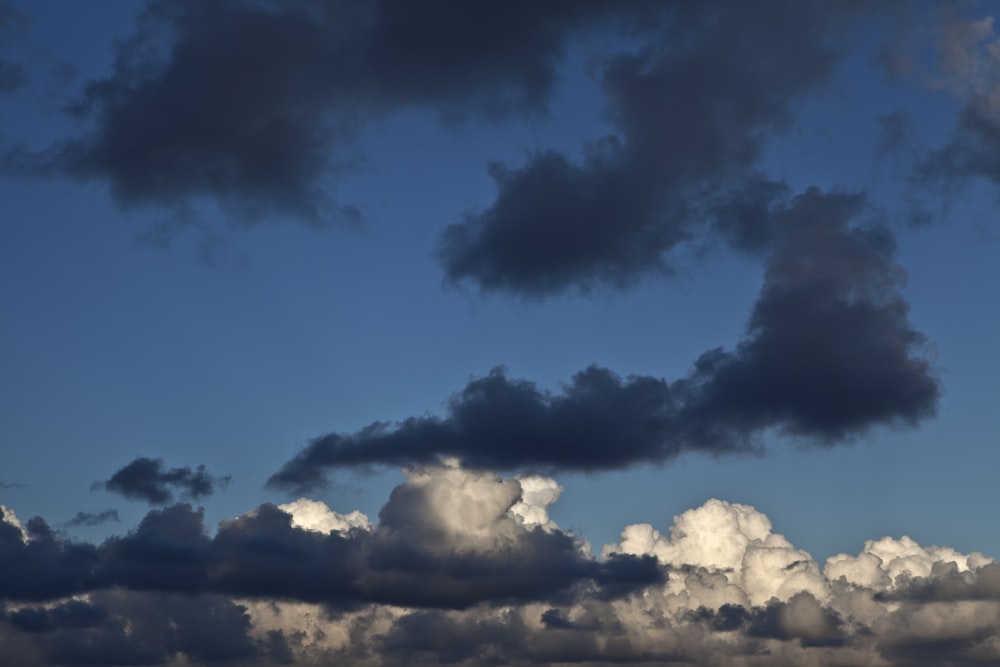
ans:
(417, 556)
(692, 111)
(127, 628)
(257, 106)
(728, 591)
(46, 566)
(149, 480)
(828, 354)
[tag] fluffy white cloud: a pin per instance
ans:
(315, 515)
(537, 493)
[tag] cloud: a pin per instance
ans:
(828, 354)
(147, 479)
(93, 518)
(465, 567)
(693, 109)
(446, 538)
(257, 106)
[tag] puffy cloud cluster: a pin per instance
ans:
(466, 567)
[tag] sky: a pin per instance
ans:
(382, 332)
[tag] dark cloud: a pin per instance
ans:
(43, 566)
(418, 556)
(147, 479)
(829, 353)
(256, 105)
(692, 111)
(127, 628)
(801, 618)
(93, 518)
(71, 614)
(946, 583)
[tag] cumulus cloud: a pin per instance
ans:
(317, 516)
(465, 566)
(447, 537)
(149, 480)
(828, 354)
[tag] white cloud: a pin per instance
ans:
(317, 516)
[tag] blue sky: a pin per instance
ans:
(175, 324)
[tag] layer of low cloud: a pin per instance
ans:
(828, 354)
(151, 481)
(467, 567)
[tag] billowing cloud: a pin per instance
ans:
(466, 567)
(692, 111)
(828, 354)
(149, 480)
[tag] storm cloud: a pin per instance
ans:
(828, 354)
(149, 480)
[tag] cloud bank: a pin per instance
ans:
(467, 567)
(828, 354)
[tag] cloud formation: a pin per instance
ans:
(693, 109)
(149, 480)
(466, 567)
(828, 354)
(256, 106)
(447, 538)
